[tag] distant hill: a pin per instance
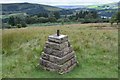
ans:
(104, 6)
(71, 7)
(104, 10)
(97, 7)
(27, 8)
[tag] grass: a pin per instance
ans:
(44, 24)
(50, 24)
(96, 50)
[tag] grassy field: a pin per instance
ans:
(96, 47)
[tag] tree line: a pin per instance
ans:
(80, 16)
(115, 18)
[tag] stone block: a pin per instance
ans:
(49, 64)
(69, 69)
(58, 39)
(44, 56)
(58, 60)
(58, 53)
(74, 60)
(67, 66)
(56, 45)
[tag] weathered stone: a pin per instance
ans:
(58, 39)
(44, 56)
(65, 58)
(58, 60)
(49, 64)
(74, 60)
(48, 50)
(58, 53)
(56, 45)
(67, 69)
(43, 63)
(56, 67)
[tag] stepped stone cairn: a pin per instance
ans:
(58, 54)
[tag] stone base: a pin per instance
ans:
(57, 60)
(66, 67)
(58, 55)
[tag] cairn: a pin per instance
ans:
(58, 54)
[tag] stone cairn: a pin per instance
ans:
(58, 54)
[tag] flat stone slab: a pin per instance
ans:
(58, 53)
(58, 39)
(58, 60)
(66, 67)
(56, 46)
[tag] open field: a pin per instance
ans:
(96, 47)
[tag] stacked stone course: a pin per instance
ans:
(58, 54)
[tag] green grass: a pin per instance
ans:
(44, 24)
(96, 50)
(50, 24)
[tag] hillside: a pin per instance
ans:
(97, 7)
(70, 6)
(104, 10)
(27, 8)
(104, 6)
